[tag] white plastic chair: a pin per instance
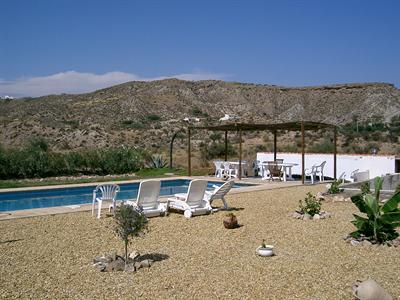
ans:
(108, 192)
(316, 170)
(228, 170)
(191, 203)
(218, 168)
(148, 198)
(319, 171)
(256, 168)
(219, 193)
(342, 177)
(352, 175)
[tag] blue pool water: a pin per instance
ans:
(10, 201)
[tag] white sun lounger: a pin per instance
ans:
(149, 198)
(192, 203)
(219, 193)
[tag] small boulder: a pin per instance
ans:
(116, 265)
(102, 259)
(137, 265)
(355, 242)
(146, 263)
(296, 215)
(306, 217)
(130, 268)
(366, 243)
(316, 217)
(133, 255)
(396, 242)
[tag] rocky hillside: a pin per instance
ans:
(146, 113)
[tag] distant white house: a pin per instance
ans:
(6, 97)
(377, 165)
(227, 117)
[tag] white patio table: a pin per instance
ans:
(286, 167)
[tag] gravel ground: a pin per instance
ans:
(50, 257)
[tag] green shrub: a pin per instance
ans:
(153, 117)
(130, 222)
(381, 220)
(311, 205)
(130, 124)
(365, 188)
(326, 146)
(209, 151)
(334, 188)
(35, 160)
(196, 111)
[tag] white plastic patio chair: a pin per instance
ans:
(230, 171)
(257, 168)
(108, 192)
(219, 193)
(352, 175)
(148, 198)
(191, 203)
(219, 169)
(316, 170)
(342, 177)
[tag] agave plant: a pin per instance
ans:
(382, 219)
(156, 161)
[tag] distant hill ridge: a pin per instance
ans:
(147, 112)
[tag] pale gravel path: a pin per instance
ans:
(206, 261)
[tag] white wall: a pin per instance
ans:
(376, 164)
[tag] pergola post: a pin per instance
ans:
(302, 154)
(189, 155)
(226, 145)
(240, 154)
(334, 152)
(275, 145)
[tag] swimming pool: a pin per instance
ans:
(10, 201)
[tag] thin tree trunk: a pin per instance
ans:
(126, 253)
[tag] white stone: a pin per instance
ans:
(316, 217)
(366, 243)
(133, 255)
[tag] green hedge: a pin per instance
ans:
(35, 160)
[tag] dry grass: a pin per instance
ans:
(51, 257)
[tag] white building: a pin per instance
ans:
(346, 163)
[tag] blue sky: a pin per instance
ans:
(75, 46)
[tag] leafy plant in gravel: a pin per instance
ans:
(397, 188)
(382, 219)
(311, 205)
(130, 222)
(365, 188)
(334, 187)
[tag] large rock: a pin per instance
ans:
(370, 290)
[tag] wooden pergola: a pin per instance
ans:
(301, 126)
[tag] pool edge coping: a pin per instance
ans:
(26, 213)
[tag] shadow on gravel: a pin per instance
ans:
(235, 209)
(10, 241)
(153, 256)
